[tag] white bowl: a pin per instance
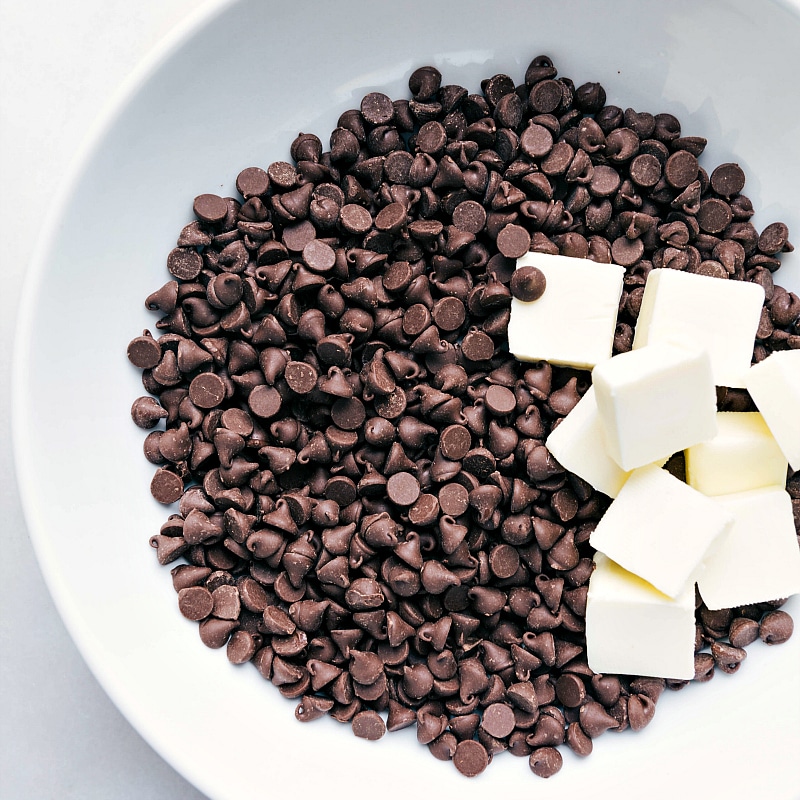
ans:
(232, 91)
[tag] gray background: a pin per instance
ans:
(60, 64)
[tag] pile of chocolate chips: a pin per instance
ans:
(367, 508)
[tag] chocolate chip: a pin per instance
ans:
(368, 725)
(681, 169)
(570, 690)
(355, 219)
(498, 720)
(773, 239)
(604, 182)
(469, 216)
(528, 284)
(184, 263)
(743, 631)
(545, 762)
(470, 758)
(714, 215)
(504, 562)
(166, 486)
(207, 390)
(300, 377)
(210, 208)
(500, 400)
(477, 346)
(455, 442)
(252, 182)
(776, 627)
(377, 108)
(402, 488)
(536, 141)
(348, 413)
(513, 241)
(144, 352)
(727, 179)
(264, 401)
(195, 602)
(645, 170)
(453, 499)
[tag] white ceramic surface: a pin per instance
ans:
(232, 91)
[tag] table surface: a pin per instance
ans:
(60, 735)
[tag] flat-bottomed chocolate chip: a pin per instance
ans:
(355, 219)
(166, 487)
(513, 241)
(184, 263)
(210, 208)
(207, 390)
(300, 377)
(498, 720)
(470, 758)
(453, 499)
(455, 442)
(402, 489)
(264, 401)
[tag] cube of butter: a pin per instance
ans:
(774, 385)
(654, 402)
(742, 456)
(660, 529)
(579, 445)
(573, 322)
(718, 315)
(758, 559)
(633, 629)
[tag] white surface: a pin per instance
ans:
(573, 322)
(184, 148)
(680, 306)
(579, 445)
(742, 456)
(775, 387)
(632, 629)
(660, 529)
(757, 559)
(655, 401)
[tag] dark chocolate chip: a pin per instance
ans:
(528, 284)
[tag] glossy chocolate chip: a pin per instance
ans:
(528, 284)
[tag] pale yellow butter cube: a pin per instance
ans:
(758, 559)
(633, 629)
(573, 322)
(717, 315)
(774, 385)
(742, 456)
(660, 529)
(654, 402)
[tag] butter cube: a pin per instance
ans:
(742, 456)
(774, 385)
(659, 529)
(717, 315)
(633, 629)
(654, 402)
(579, 445)
(758, 559)
(573, 322)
